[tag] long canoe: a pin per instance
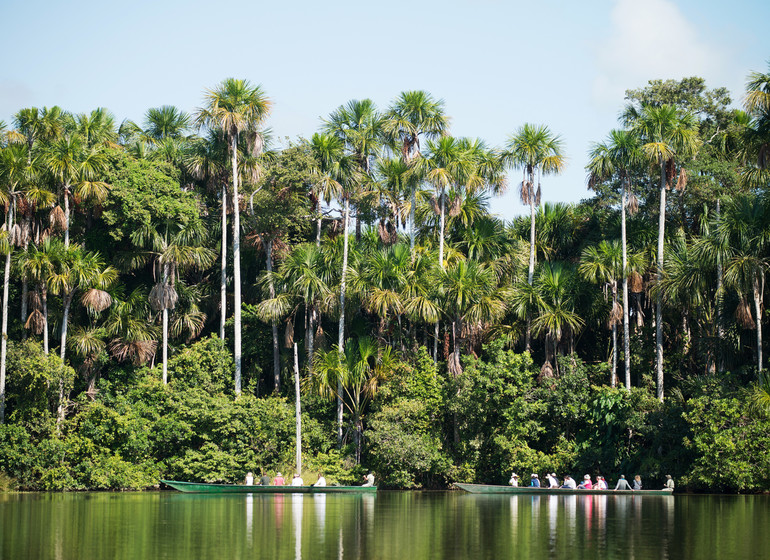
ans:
(492, 489)
(243, 489)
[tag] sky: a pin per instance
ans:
(497, 64)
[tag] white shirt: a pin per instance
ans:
(369, 480)
(321, 481)
(514, 482)
(552, 482)
(570, 483)
(249, 480)
(297, 481)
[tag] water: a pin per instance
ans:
(390, 525)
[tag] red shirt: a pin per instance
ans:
(278, 481)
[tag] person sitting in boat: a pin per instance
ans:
(569, 483)
(249, 479)
(297, 480)
(637, 482)
(553, 482)
(534, 481)
(622, 483)
(369, 478)
(321, 480)
(278, 480)
(514, 480)
(586, 484)
(264, 480)
(669, 483)
(601, 484)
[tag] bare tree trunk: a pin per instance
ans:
(341, 340)
(276, 349)
(44, 298)
(758, 311)
(62, 353)
(531, 272)
(441, 231)
(66, 216)
(720, 304)
(411, 221)
(4, 341)
(236, 265)
(626, 327)
(223, 267)
(298, 411)
(659, 304)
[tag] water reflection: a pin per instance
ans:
(399, 525)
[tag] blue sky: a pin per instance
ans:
(497, 64)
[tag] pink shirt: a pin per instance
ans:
(278, 481)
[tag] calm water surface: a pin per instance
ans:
(390, 525)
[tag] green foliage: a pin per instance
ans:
(207, 365)
(144, 193)
(731, 450)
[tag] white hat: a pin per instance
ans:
(514, 475)
(553, 474)
(587, 477)
(534, 475)
(279, 474)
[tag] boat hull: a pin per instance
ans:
(202, 487)
(492, 489)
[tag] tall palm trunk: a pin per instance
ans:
(44, 302)
(531, 272)
(236, 264)
(165, 328)
(659, 303)
(441, 264)
(626, 327)
(720, 304)
(614, 375)
(223, 267)
(758, 286)
(341, 341)
(66, 216)
(4, 341)
(276, 349)
(62, 353)
(24, 281)
(411, 221)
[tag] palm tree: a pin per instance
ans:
(537, 152)
(14, 173)
(76, 269)
(746, 224)
(603, 264)
(37, 265)
(170, 248)
(616, 158)
(235, 107)
(412, 115)
(354, 377)
(332, 169)
(132, 335)
(207, 161)
(554, 287)
(166, 122)
(666, 137)
(77, 167)
(757, 104)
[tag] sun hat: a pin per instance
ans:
(514, 475)
(587, 477)
(534, 475)
(553, 474)
(279, 474)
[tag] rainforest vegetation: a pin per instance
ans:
(163, 280)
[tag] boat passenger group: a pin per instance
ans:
(296, 480)
(586, 483)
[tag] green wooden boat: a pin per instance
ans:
(492, 489)
(202, 487)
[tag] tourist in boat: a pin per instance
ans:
(264, 480)
(586, 484)
(601, 484)
(297, 480)
(669, 483)
(637, 482)
(278, 480)
(369, 478)
(514, 481)
(249, 479)
(321, 480)
(534, 481)
(553, 482)
(569, 483)
(622, 483)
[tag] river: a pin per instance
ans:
(389, 525)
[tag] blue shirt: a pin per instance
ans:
(535, 483)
